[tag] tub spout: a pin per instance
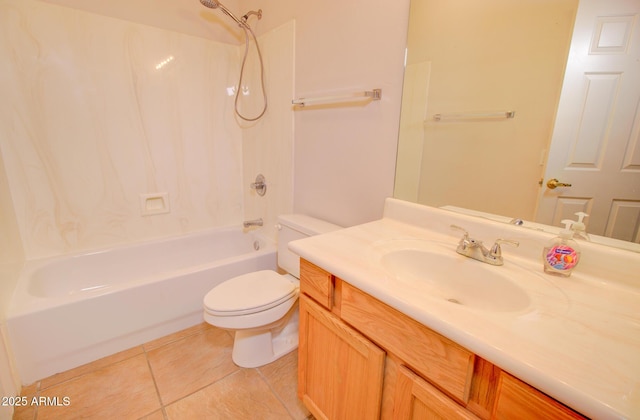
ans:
(255, 222)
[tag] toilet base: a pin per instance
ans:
(253, 348)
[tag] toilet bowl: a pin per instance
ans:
(262, 306)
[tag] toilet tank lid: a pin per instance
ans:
(307, 224)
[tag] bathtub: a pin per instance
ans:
(71, 310)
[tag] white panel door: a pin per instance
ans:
(596, 140)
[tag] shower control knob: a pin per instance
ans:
(260, 185)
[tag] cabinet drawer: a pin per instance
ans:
(444, 363)
(316, 283)
(518, 400)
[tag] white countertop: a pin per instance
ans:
(578, 340)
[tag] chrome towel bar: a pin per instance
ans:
(374, 95)
(476, 116)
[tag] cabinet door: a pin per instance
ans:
(340, 372)
(415, 398)
(517, 400)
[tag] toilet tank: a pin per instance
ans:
(297, 226)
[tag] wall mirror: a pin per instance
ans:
(484, 100)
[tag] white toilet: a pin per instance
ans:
(262, 307)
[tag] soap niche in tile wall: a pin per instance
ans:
(154, 203)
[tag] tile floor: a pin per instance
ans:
(186, 375)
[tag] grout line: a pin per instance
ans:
(163, 407)
(146, 350)
(88, 372)
(176, 336)
(273, 391)
(206, 386)
(38, 391)
(155, 383)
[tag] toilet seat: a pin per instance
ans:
(250, 293)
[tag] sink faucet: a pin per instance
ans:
(473, 248)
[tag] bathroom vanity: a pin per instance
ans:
(395, 324)
(349, 334)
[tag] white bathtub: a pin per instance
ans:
(71, 310)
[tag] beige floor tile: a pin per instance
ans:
(30, 389)
(282, 375)
(90, 367)
(185, 366)
(24, 412)
(193, 372)
(156, 415)
(124, 390)
(196, 329)
(27, 410)
(242, 395)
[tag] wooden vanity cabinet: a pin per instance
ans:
(429, 354)
(317, 283)
(416, 398)
(518, 400)
(352, 347)
(340, 371)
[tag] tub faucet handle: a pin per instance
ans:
(259, 185)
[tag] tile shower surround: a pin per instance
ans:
(186, 375)
(97, 111)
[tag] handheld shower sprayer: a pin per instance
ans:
(214, 4)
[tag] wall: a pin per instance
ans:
(11, 260)
(477, 57)
(268, 143)
(101, 110)
(183, 16)
(344, 156)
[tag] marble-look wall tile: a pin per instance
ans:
(11, 250)
(268, 143)
(96, 111)
(11, 263)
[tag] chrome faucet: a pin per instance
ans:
(473, 248)
(255, 222)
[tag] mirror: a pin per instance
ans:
(472, 63)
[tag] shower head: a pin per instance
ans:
(210, 4)
(213, 4)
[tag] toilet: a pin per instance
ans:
(262, 306)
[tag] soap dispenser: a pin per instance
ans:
(578, 227)
(562, 254)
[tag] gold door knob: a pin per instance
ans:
(553, 183)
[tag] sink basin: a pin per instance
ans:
(437, 270)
